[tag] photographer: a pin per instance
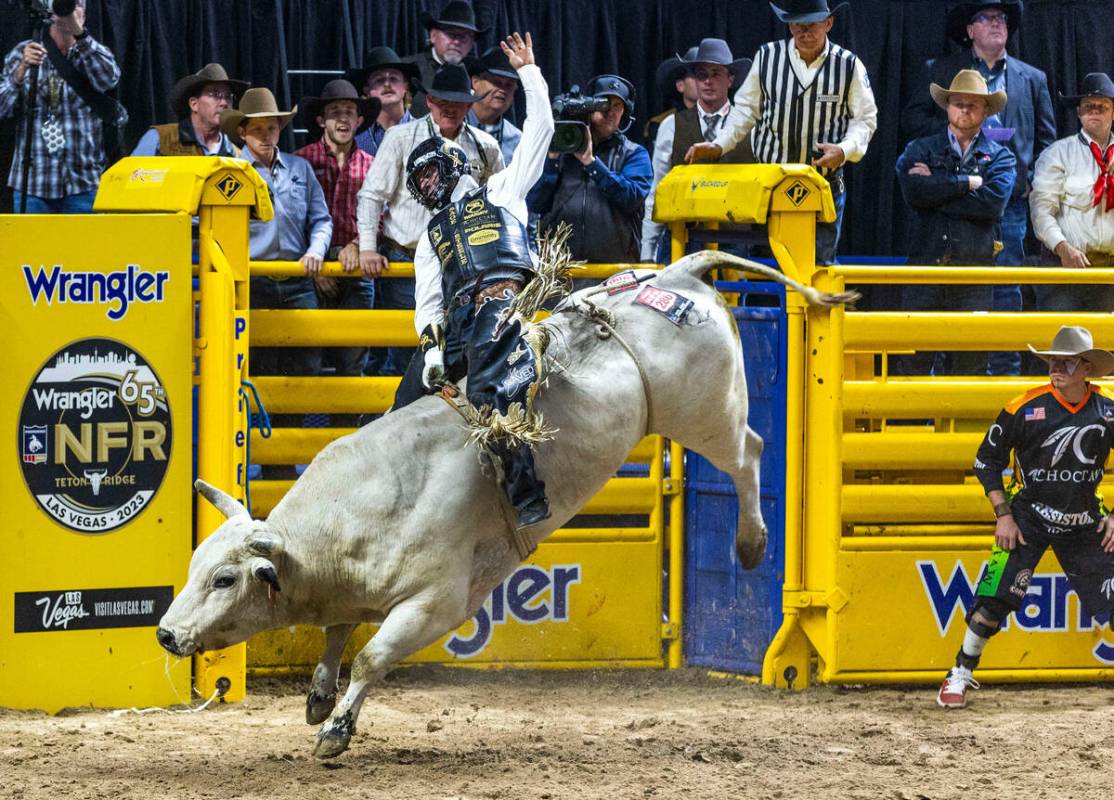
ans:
(601, 189)
(67, 147)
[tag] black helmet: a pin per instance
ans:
(451, 162)
(608, 85)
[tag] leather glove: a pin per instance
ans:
(433, 374)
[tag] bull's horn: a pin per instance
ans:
(224, 503)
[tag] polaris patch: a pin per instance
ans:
(621, 282)
(675, 307)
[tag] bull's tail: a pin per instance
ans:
(697, 264)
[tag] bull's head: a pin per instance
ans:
(230, 592)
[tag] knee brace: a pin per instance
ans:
(991, 608)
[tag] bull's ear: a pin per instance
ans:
(225, 504)
(264, 543)
(265, 572)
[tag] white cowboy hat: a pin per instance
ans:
(1072, 341)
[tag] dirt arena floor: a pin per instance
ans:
(438, 733)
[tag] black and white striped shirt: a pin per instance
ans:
(788, 106)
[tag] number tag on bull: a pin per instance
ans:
(621, 282)
(674, 306)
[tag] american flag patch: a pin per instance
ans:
(1033, 414)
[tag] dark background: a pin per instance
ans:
(156, 42)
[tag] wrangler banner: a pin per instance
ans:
(96, 416)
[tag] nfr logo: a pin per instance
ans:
(1045, 607)
(530, 595)
(797, 192)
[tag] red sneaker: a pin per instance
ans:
(953, 691)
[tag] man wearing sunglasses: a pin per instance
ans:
(1025, 126)
(197, 101)
(1059, 436)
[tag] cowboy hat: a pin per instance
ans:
(1072, 341)
(494, 62)
(1095, 84)
(716, 51)
(960, 15)
(380, 58)
(452, 84)
(455, 14)
(339, 89)
(191, 86)
(255, 103)
(802, 12)
(669, 72)
(969, 81)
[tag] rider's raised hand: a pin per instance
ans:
(519, 53)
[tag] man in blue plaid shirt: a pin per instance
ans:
(67, 148)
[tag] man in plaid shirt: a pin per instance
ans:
(340, 166)
(67, 148)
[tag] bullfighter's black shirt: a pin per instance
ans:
(1059, 452)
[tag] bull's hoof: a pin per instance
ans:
(751, 551)
(319, 708)
(333, 738)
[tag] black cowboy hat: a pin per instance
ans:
(191, 85)
(339, 89)
(452, 83)
(959, 17)
(493, 61)
(455, 14)
(802, 12)
(380, 58)
(1095, 84)
(716, 51)
(670, 71)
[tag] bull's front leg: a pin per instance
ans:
(410, 626)
(323, 687)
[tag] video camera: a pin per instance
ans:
(40, 11)
(572, 110)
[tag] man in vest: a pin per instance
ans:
(677, 88)
(1025, 126)
(712, 68)
(452, 36)
(197, 101)
(465, 290)
(806, 100)
(599, 191)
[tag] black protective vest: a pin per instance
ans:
(602, 233)
(475, 239)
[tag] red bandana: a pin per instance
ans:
(1105, 183)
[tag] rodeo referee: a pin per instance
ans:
(1060, 435)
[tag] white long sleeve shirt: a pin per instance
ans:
(661, 158)
(1062, 202)
(507, 189)
(748, 105)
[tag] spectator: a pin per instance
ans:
(496, 83)
(67, 135)
(806, 100)
(450, 97)
(337, 115)
(1073, 199)
(197, 101)
(677, 88)
(452, 36)
(1042, 509)
(957, 181)
(599, 191)
(712, 68)
(300, 231)
(1026, 125)
(386, 78)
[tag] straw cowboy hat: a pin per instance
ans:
(191, 85)
(969, 81)
(339, 89)
(961, 14)
(255, 103)
(1072, 341)
(1096, 84)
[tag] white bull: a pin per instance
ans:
(399, 523)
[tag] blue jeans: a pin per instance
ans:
(934, 297)
(70, 204)
(1015, 220)
(292, 293)
(352, 294)
(827, 233)
(392, 293)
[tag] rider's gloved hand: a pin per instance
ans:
(433, 374)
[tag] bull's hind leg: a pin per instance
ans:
(410, 626)
(323, 687)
